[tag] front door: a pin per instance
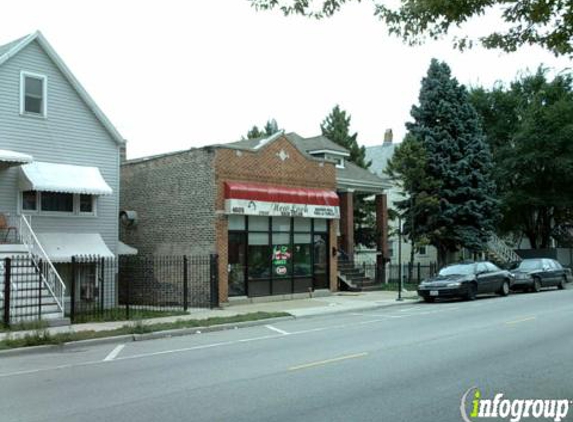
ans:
(237, 264)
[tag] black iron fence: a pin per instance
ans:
(372, 275)
(103, 289)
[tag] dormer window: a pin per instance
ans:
(339, 162)
(33, 94)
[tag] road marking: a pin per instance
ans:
(517, 321)
(277, 330)
(327, 361)
(113, 354)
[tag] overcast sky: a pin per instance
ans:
(177, 74)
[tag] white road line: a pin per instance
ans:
(277, 330)
(113, 354)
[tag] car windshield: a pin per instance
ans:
(529, 264)
(462, 269)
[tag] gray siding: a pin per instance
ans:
(174, 196)
(71, 134)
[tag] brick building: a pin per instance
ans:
(275, 210)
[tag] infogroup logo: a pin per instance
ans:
(512, 409)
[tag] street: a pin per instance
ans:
(401, 363)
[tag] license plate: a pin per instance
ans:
(434, 293)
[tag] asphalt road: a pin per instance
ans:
(405, 363)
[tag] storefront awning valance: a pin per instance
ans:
(268, 200)
(13, 157)
(61, 247)
(64, 178)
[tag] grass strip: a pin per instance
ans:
(42, 336)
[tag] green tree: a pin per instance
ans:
(458, 165)
(530, 127)
(336, 127)
(548, 23)
(270, 128)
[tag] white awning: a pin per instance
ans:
(15, 157)
(65, 178)
(124, 249)
(60, 247)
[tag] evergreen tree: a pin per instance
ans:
(459, 160)
(254, 133)
(270, 128)
(336, 127)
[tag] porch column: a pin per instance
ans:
(347, 222)
(382, 230)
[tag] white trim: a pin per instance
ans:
(37, 36)
(27, 74)
(39, 212)
(339, 164)
(329, 151)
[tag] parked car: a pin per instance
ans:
(466, 280)
(536, 273)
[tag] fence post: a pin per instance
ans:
(214, 280)
(419, 272)
(128, 270)
(73, 292)
(7, 289)
(185, 284)
(40, 289)
(102, 283)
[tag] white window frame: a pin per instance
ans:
(339, 162)
(23, 75)
(75, 213)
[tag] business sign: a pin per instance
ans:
(280, 209)
(281, 259)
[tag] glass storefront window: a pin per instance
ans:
(281, 224)
(302, 225)
(320, 225)
(260, 224)
(237, 222)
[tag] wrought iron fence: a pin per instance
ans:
(373, 276)
(103, 289)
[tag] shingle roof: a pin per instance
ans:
(7, 47)
(321, 142)
(379, 155)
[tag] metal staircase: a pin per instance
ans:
(352, 276)
(499, 252)
(30, 287)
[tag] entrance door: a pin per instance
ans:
(237, 264)
(320, 247)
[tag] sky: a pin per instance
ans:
(175, 74)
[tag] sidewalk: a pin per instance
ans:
(298, 308)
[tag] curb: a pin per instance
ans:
(179, 332)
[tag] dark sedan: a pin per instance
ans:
(534, 274)
(466, 280)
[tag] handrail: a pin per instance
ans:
(498, 246)
(53, 282)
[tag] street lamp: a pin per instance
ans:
(399, 299)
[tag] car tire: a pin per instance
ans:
(429, 299)
(561, 284)
(536, 285)
(504, 291)
(472, 292)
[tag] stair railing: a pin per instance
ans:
(50, 277)
(502, 250)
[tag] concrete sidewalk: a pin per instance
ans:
(298, 308)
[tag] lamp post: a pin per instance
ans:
(399, 299)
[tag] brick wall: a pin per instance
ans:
(173, 195)
(266, 166)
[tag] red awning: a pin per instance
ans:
(269, 193)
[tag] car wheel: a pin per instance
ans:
(472, 292)
(536, 285)
(504, 291)
(561, 284)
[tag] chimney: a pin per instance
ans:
(388, 136)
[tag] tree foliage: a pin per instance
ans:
(548, 23)
(445, 167)
(270, 128)
(336, 127)
(530, 128)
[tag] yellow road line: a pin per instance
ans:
(521, 320)
(327, 361)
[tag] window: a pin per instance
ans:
(57, 202)
(33, 94)
(422, 250)
(29, 200)
(86, 204)
(339, 163)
